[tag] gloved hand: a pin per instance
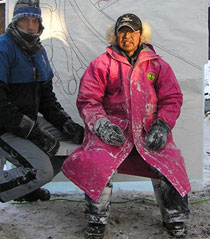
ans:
(24, 128)
(73, 131)
(156, 136)
(44, 140)
(109, 133)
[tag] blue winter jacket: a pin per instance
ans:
(25, 87)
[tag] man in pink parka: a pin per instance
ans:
(129, 99)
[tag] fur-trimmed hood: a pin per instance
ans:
(145, 37)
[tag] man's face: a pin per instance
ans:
(128, 40)
(29, 25)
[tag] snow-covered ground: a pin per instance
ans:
(131, 217)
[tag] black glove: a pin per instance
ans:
(73, 131)
(25, 127)
(156, 136)
(44, 140)
(109, 133)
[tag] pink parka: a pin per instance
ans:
(131, 97)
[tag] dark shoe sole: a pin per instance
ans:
(94, 235)
(178, 230)
(95, 231)
(39, 194)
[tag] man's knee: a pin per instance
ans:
(45, 175)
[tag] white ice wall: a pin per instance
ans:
(75, 34)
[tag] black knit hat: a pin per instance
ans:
(128, 20)
(26, 8)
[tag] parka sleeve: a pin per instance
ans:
(50, 108)
(170, 97)
(91, 93)
(10, 115)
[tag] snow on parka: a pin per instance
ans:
(131, 97)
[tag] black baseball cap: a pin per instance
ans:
(128, 20)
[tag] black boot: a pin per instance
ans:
(176, 229)
(95, 231)
(39, 194)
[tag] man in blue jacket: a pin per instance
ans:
(27, 141)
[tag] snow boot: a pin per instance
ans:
(39, 194)
(95, 231)
(176, 229)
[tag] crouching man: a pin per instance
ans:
(26, 140)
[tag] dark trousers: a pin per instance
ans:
(33, 168)
(173, 207)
